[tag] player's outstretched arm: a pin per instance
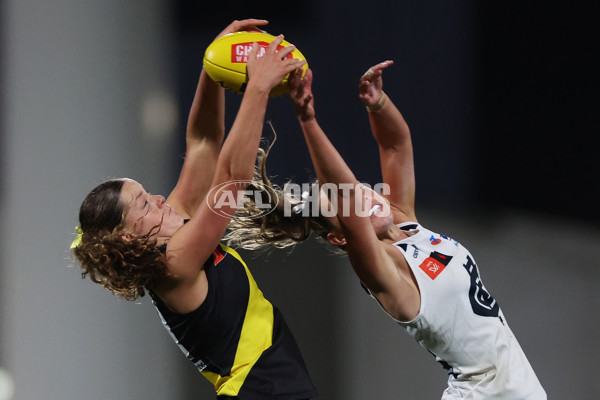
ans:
(368, 257)
(195, 241)
(393, 136)
(204, 134)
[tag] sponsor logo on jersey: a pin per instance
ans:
(435, 241)
(434, 265)
(415, 252)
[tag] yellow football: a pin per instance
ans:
(225, 60)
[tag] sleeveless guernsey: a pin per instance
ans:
(461, 324)
(236, 338)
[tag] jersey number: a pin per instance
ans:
(482, 301)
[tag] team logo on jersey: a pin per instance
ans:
(434, 265)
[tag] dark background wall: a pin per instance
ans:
(499, 96)
(537, 104)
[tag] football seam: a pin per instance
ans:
(226, 69)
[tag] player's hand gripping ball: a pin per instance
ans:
(225, 60)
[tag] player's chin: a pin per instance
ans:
(382, 222)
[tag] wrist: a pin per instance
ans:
(379, 105)
(307, 119)
(257, 88)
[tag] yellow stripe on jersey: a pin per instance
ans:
(256, 337)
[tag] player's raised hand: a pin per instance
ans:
(301, 94)
(268, 70)
(371, 84)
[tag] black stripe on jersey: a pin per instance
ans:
(442, 258)
(409, 227)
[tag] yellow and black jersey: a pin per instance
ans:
(237, 338)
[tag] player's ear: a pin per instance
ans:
(336, 238)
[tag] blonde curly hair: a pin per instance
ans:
(252, 229)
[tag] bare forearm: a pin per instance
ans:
(328, 163)
(206, 119)
(239, 151)
(389, 127)
(363, 244)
